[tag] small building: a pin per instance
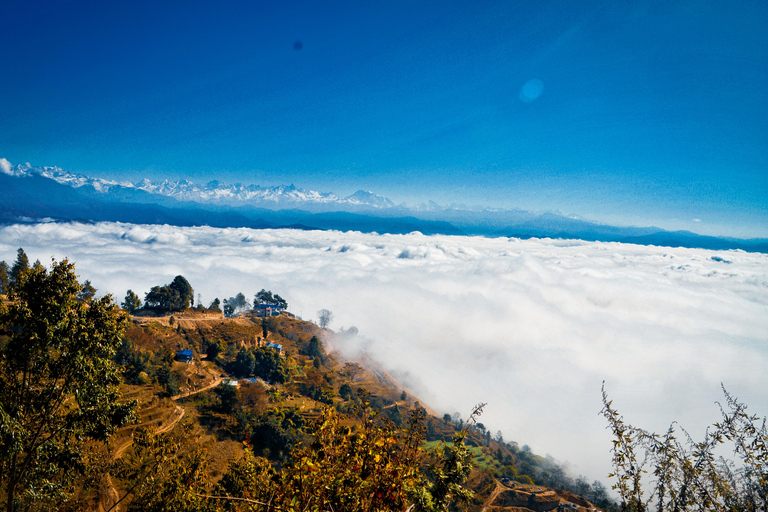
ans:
(277, 347)
(268, 310)
(185, 356)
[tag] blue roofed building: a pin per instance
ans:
(185, 356)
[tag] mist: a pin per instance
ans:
(532, 327)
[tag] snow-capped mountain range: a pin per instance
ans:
(214, 192)
(34, 194)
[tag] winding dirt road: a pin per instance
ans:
(108, 495)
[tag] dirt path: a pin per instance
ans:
(108, 495)
(495, 494)
(216, 382)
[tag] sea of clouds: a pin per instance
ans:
(532, 327)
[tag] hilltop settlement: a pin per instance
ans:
(163, 404)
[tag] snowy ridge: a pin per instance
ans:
(214, 192)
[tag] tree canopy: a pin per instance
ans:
(266, 297)
(59, 389)
(5, 279)
(325, 316)
(132, 302)
(176, 296)
(20, 265)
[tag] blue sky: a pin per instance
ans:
(633, 114)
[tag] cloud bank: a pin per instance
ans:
(533, 327)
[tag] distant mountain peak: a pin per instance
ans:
(370, 199)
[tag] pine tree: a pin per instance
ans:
(20, 265)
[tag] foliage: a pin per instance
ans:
(243, 364)
(275, 433)
(316, 387)
(161, 473)
(59, 388)
(263, 362)
(325, 317)
(373, 468)
(136, 364)
(265, 297)
(345, 391)
(313, 349)
(5, 279)
(176, 296)
(237, 303)
(269, 365)
(132, 302)
(449, 472)
(87, 292)
(169, 379)
(20, 265)
(687, 475)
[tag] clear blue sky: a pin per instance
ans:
(653, 113)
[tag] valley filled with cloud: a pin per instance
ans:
(533, 327)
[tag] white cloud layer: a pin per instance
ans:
(530, 326)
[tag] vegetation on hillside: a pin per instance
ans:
(59, 388)
(266, 419)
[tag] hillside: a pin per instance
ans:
(218, 405)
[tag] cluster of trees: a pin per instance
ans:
(179, 295)
(10, 275)
(687, 474)
(176, 296)
(262, 362)
(236, 304)
(265, 297)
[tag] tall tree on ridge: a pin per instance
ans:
(20, 265)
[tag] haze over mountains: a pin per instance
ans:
(31, 193)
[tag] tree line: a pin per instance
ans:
(179, 296)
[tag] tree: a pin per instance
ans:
(132, 302)
(238, 303)
(5, 280)
(186, 295)
(87, 292)
(215, 305)
(243, 364)
(352, 370)
(313, 349)
(159, 297)
(325, 317)
(269, 365)
(176, 296)
(59, 389)
(281, 302)
(266, 297)
(20, 265)
(688, 475)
